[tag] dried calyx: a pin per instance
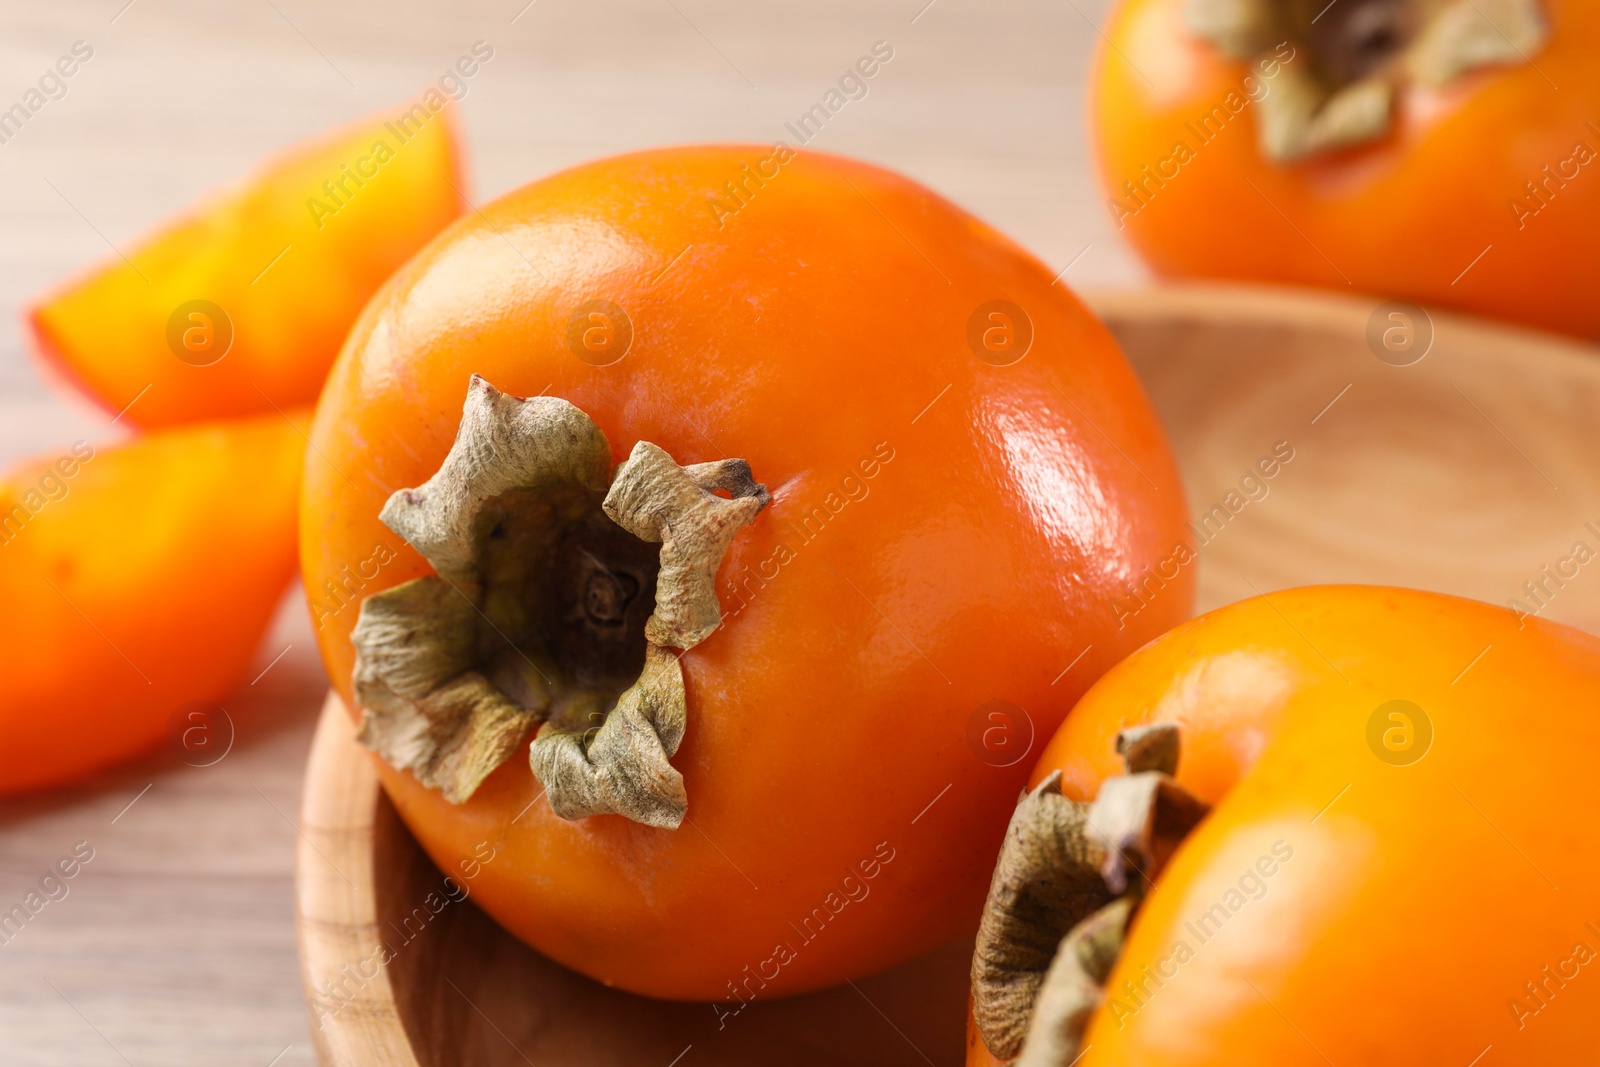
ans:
(561, 590)
(1337, 87)
(1069, 879)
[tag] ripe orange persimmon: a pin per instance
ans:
(240, 305)
(137, 579)
(1401, 859)
(1445, 153)
(952, 473)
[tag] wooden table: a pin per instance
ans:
(175, 945)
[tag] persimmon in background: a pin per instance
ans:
(964, 476)
(1447, 153)
(1401, 852)
(137, 578)
(241, 304)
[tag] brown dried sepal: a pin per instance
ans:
(1153, 747)
(1351, 59)
(1046, 880)
(504, 443)
(1137, 823)
(425, 708)
(453, 671)
(1075, 985)
(656, 500)
(622, 767)
(1069, 878)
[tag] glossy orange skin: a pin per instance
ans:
(1404, 216)
(140, 581)
(1419, 898)
(828, 716)
(107, 331)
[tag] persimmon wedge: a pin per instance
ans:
(241, 304)
(1401, 860)
(136, 578)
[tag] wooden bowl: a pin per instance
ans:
(1468, 471)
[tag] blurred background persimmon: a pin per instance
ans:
(1345, 147)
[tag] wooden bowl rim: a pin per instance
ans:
(1340, 314)
(336, 901)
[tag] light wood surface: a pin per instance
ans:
(1464, 472)
(1468, 472)
(176, 945)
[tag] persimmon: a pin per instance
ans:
(239, 306)
(137, 578)
(776, 698)
(1438, 151)
(1398, 864)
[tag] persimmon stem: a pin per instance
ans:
(1069, 879)
(1335, 69)
(560, 590)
